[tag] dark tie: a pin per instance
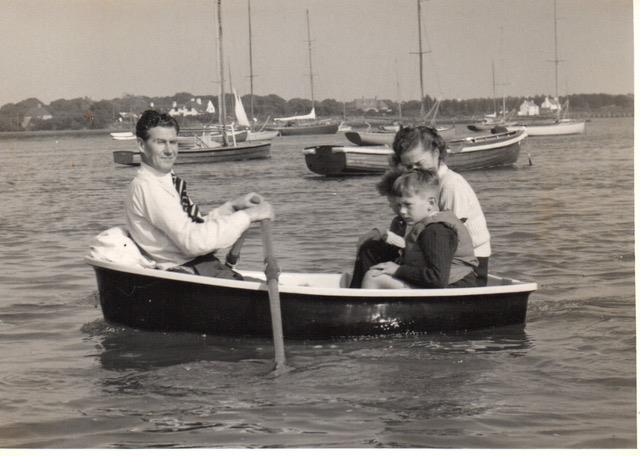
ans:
(189, 206)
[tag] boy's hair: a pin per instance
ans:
(415, 181)
(150, 119)
(409, 137)
(385, 186)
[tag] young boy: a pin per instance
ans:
(438, 251)
(423, 148)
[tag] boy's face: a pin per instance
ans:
(420, 158)
(413, 207)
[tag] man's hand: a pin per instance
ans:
(388, 267)
(261, 211)
(246, 201)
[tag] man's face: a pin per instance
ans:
(414, 207)
(160, 150)
(420, 158)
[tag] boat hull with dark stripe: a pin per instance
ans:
(320, 129)
(170, 301)
(246, 151)
(487, 151)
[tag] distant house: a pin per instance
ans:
(370, 104)
(550, 105)
(35, 113)
(184, 110)
(529, 108)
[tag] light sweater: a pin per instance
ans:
(457, 196)
(162, 229)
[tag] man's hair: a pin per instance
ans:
(409, 137)
(385, 186)
(413, 182)
(150, 119)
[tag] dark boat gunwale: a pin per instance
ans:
(507, 285)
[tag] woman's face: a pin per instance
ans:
(420, 158)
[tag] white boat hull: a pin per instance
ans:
(556, 129)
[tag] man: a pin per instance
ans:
(162, 219)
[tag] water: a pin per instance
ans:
(568, 380)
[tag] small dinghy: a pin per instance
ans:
(314, 306)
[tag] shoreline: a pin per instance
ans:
(29, 134)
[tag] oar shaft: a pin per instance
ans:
(272, 272)
(234, 252)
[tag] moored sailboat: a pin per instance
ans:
(561, 125)
(307, 124)
(201, 148)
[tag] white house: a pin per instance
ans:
(529, 108)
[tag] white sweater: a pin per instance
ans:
(456, 195)
(160, 226)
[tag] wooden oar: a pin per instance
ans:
(234, 253)
(272, 271)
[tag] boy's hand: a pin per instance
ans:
(393, 239)
(245, 201)
(388, 267)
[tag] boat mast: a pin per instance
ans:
(555, 42)
(221, 103)
(310, 64)
(398, 91)
(504, 83)
(420, 54)
(493, 80)
(250, 61)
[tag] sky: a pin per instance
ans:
(103, 49)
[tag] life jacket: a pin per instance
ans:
(464, 261)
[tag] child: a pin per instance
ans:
(438, 251)
(423, 148)
(380, 245)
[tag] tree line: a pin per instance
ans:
(85, 113)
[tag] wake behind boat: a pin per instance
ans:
(475, 152)
(313, 304)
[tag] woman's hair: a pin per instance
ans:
(409, 137)
(150, 119)
(414, 181)
(385, 186)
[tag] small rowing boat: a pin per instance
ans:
(245, 151)
(475, 152)
(313, 304)
(122, 135)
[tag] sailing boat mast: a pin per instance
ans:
(250, 61)
(420, 54)
(555, 42)
(398, 91)
(310, 63)
(221, 103)
(493, 80)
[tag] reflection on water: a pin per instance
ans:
(123, 348)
